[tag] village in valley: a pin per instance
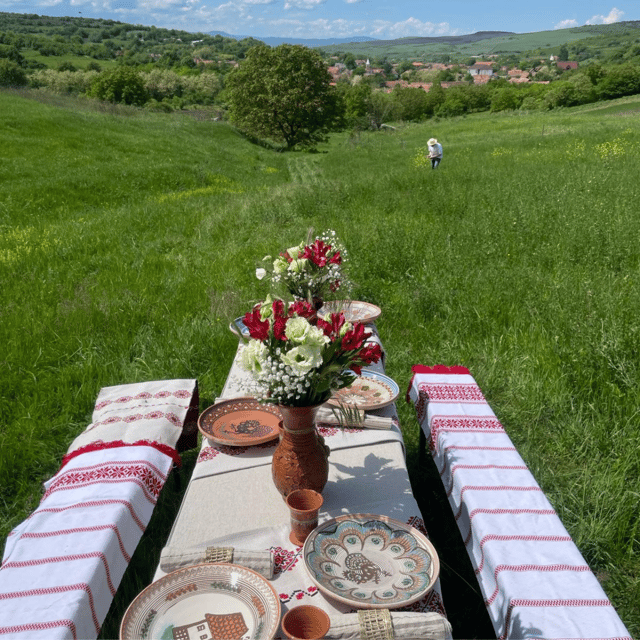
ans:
(422, 75)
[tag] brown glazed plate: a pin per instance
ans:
(240, 422)
(353, 310)
(205, 600)
(370, 390)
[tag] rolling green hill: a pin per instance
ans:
(129, 240)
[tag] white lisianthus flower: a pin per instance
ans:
(261, 273)
(294, 252)
(254, 356)
(298, 266)
(266, 309)
(316, 338)
(303, 359)
(280, 266)
(347, 326)
(297, 329)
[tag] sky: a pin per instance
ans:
(381, 19)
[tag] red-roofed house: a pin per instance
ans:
(565, 66)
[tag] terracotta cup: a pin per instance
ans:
(305, 623)
(304, 505)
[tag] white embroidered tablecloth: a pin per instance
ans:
(231, 499)
(533, 577)
(62, 565)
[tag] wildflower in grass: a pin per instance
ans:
(611, 149)
(421, 159)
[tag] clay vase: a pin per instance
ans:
(300, 460)
(306, 622)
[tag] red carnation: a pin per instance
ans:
(258, 328)
(302, 308)
(279, 325)
(278, 309)
(354, 338)
(370, 353)
(317, 253)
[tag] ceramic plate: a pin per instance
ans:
(371, 562)
(204, 601)
(239, 328)
(240, 422)
(354, 310)
(370, 390)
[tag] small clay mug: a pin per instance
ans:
(304, 505)
(306, 622)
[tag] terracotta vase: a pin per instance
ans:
(300, 460)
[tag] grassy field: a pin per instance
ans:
(128, 240)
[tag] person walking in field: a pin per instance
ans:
(435, 152)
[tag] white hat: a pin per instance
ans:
(432, 141)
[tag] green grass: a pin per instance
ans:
(128, 241)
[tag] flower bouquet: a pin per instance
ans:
(298, 360)
(310, 270)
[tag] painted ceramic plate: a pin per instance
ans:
(240, 422)
(354, 310)
(239, 328)
(371, 562)
(205, 600)
(370, 390)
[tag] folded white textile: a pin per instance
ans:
(142, 412)
(63, 564)
(534, 579)
(404, 626)
(173, 558)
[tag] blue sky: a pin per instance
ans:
(382, 19)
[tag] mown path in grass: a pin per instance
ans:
(128, 242)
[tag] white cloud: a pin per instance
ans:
(566, 24)
(615, 15)
(303, 4)
(408, 28)
(260, 1)
(353, 1)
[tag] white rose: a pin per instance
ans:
(261, 273)
(303, 359)
(253, 356)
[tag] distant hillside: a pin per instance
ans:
(311, 42)
(466, 39)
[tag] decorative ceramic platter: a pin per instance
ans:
(239, 328)
(240, 422)
(354, 310)
(205, 600)
(371, 562)
(370, 390)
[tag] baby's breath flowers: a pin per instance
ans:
(297, 359)
(309, 271)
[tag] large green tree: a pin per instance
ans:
(283, 94)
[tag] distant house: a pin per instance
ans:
(565, 66)
(481, 69)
